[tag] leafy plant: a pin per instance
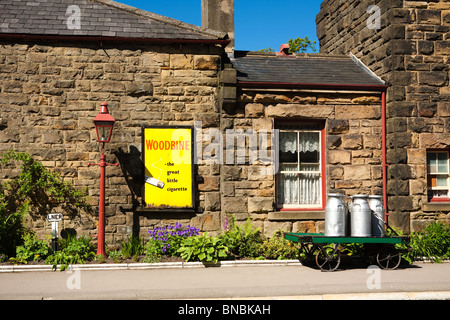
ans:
(242, 240)
(432, 242)
(267, 50)
(278, 248)
(41, 188)
(132, 247)
(11, 227)
(167, 240)
(32, 249)
(301, 45)
(152, 251)
(203, 248)
(296, 45)
(73, 250)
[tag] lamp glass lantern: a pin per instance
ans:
(104, 124)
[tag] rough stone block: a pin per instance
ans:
(352, 142)
(294, 110)
(270, 227)
(433, 78)
(337, 126)
(304, 227)
(51, 137)
(429, 16)
(339, 157)
(206, 62)
(254, 110)
(260, 205)
(212, 201)
(358, 112)
(234, 205)
(357, 172)
(181, 61)
(207, 222)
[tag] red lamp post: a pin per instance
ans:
(104, 124)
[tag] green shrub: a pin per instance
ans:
(34, 190)
(73, 250)
(11, 228)
(278, 248)
(243, 240)
(115, 256)
(132, 247)
(203, 248)
(432, 242)
(41, 188)
(32, 249)
(153, 251)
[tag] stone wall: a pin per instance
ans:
(352, 152)
(51, 92)
(411, 53)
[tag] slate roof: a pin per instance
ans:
(100, 18)
(303, 69)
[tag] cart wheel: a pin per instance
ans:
(307, 254)
(328, 258)
(389, 258)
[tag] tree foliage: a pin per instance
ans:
(301, 45)
(297, 45)
(35, 190)
(41, 188)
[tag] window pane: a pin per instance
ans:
(431, 162)
(287, 188)
(309, 147)
(442, 162)
(309, 167)
(288, 147)
(309, 188)
(441, 181)
(438, 193)
(288, 167)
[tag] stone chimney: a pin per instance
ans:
(218, 15)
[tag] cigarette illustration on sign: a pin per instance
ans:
(154, 182)
(168, 161)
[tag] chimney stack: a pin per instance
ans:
(218, 15)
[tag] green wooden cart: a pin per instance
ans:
(326, 251)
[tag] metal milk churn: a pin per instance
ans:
(335, 215)
(378, 215)
(360, 217)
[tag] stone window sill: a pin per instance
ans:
(296, 215)
(436, 206)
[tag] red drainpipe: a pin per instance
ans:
(385, 165)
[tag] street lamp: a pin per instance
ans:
(104, 124)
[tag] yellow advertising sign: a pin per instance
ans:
(168, 160)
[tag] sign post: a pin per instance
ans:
(168, 154)
(54, 218)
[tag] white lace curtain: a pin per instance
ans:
(301, 188)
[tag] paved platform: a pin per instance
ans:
(245, 280)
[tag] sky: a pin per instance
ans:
(259, 24)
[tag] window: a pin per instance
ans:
(300, 179)
(438, 176)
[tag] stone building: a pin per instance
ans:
(407, 44)
(328, 110)
(322, 116)
(60, 59)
